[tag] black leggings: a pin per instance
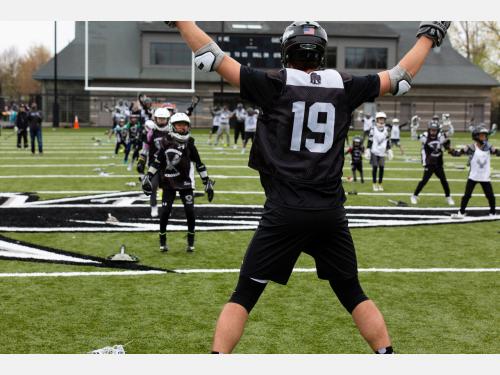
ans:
(357, 167)
(187, 198)
(488, 191)
(22, 134)
(239, 128)
(380, 175)
(428, 172)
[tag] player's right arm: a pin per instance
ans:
(397, 80)
(208, 55)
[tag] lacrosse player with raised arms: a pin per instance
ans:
(299, 153)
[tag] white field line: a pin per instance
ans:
(223, 177)
(237, 270)
(48, 192)
(211, 166)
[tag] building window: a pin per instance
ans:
(169, 54)
(254, 50)
(331, 57)
(366, 58)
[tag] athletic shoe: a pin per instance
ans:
(163, 248)
(129, 167)
(189, 249)
(242, 151)
(492, 215)
(458, 216)
(375, 187)
(414, 199)
(380, 187)
(450, 201)
(154, 211)
(235, 147)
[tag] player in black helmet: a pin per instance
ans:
(356, 151)
(299, 153)
(434, 142)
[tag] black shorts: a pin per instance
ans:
(284, 233)
(394, 142)
(214, 129)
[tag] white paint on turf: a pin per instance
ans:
(237, 270)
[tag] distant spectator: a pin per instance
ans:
(35, 124)
(22, 126)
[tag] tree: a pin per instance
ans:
(36, 56)
(9, 64)
(478, 42)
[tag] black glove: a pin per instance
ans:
(170, 24)
(147, 187)
(209, 188)
(141, 165)
(435, 30)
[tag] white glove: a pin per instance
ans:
(368, 154)
(390, 154)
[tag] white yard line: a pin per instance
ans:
(223, 177)
(237, 270)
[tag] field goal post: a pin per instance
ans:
(133, 89)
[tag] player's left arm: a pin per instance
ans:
(208, 55)
(397, 80)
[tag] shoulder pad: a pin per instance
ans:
(346, 77)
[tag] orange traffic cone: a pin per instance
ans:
(76, 124)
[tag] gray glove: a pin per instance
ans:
(435, 30)
(209, 189)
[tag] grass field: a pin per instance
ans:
(426, 312)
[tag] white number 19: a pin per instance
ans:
(327, 127)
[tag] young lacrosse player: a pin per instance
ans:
(356, 151)
(173, 165)
(479, 154)
(378, 145)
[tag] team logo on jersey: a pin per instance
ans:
(172, 158)
(481, 162)
(315, 78)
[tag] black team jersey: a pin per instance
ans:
(173, 161)
(299, 143)
(356, 154)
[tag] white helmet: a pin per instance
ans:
(150, 125)
(380, 115)
(162, 113)
(395, 121)
(179, 117)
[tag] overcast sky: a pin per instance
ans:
(24, 34)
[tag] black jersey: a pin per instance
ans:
(432, 149)
(356, 154)
(174, 159)
(299, 144)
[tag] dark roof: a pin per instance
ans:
(115, 52)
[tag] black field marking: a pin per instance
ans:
(90, 214)
(96, 261)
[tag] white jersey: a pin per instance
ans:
(216, 119)
(241, 114)
(250, 123)
(395, 132)
(480, 165)
(379, 141)
(367, 123)
(224, 117)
